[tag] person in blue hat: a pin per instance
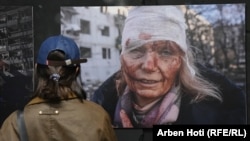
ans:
(58, 111)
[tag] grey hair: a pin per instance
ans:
(196, 84)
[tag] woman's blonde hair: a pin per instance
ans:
(196, 84)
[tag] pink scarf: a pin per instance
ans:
(163, 111)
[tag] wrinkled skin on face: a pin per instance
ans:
(151, 70)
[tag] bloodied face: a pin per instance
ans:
(150, 70)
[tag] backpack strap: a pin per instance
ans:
(21, 126)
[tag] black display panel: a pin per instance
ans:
(47, 21)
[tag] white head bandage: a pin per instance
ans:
(151, 23)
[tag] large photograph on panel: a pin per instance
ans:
(16, 57)
(152, 65)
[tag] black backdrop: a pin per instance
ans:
(47, 23)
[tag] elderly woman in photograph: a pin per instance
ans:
(160, 83)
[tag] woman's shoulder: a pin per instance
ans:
(95, 110)
(9, 126)
(92, 105)
(10, 121)
(219, 79)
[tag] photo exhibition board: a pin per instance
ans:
(97, 29)
(215, 32)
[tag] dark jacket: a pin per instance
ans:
(231, 111)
